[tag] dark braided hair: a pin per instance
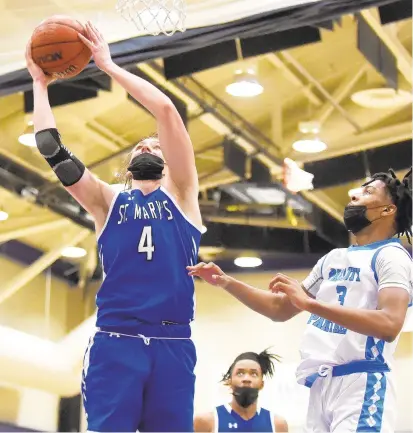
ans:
(264, 359)
(401, 196)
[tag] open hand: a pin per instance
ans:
(209, 272)
(292, 288)
(35, 70)
(95, 41)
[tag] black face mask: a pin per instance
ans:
(355, 218)
(146, 167)
(245, 396)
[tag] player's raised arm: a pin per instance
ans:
(175, 143)
(93, 194)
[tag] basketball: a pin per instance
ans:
(57, 48)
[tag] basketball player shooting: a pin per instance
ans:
(358, 298)
(245, 378)
(139, 366)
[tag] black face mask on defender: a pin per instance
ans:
(355, 218)
(146, 167)
(245, 396)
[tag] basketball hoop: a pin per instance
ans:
(296, 179)
(154, 16)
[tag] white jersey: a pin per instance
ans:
(352, 277)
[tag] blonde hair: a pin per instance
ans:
(124, 175)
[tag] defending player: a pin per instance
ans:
(245, 377)
(139, 366)
(358, 298)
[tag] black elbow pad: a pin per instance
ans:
(66, 166)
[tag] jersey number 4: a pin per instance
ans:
(146, 243)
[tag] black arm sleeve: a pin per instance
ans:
(66, 166)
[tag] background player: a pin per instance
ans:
(358, 298)
(245, 377)
(138, 369)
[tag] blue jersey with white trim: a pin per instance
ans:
(144, 249)
(352, 277)
(227, 420)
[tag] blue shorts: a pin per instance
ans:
(139, 384)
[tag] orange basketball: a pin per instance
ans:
(57, 48)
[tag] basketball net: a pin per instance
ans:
(296, 179)
(154, 16)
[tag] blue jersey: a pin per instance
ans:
(227, 420)
(144, 249)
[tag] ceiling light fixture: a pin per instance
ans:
(28, 138)
(382, 98)
(3, 215)
(309, 142)
(73, 252)
(309, 145)
(245, 85)
(248, 262)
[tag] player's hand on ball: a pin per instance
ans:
(97, 44)
(36, 71)
(292, 288)
(209, 272)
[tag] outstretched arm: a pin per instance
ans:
(92, 194)
(384, 323)
(173, 136)
(276, 307)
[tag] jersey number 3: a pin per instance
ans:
(145, 243)
(341, 292)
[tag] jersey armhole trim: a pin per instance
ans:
(216, 421)
(376, 254)
(166, 192)
(322, 264)
(320, 278)
(112, 203)
(272, 417)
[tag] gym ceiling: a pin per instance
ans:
(345, 70)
